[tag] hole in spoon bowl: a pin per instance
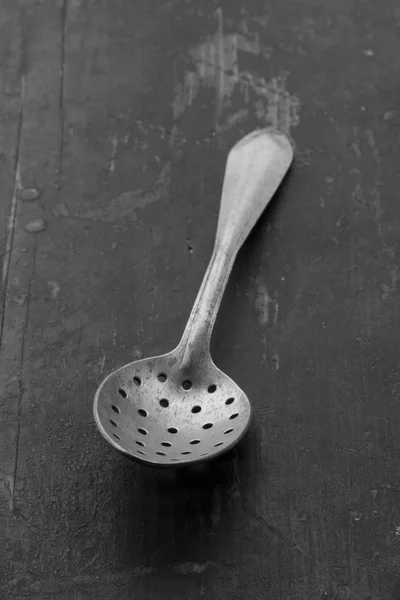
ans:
(164, 403)
(187, 384)
(162, 377)
(211, 388)
(137, 381)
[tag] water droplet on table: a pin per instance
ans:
(29, 194)
(36, 225)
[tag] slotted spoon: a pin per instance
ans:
(179, 408)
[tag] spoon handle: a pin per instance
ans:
(255, 168)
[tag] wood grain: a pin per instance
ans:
(121, 115)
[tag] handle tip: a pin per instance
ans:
(268, 145)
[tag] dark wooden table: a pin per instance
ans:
(120, 114)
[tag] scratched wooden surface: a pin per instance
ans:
(120, 114)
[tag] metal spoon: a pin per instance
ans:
(179, 408)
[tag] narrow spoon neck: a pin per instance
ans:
(194, 347)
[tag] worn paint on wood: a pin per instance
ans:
(120, 115)
(223, 62)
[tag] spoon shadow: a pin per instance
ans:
(188, 515)
(234, 309)
(182, 516)
(189, 512)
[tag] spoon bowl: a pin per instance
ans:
(166, 416)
